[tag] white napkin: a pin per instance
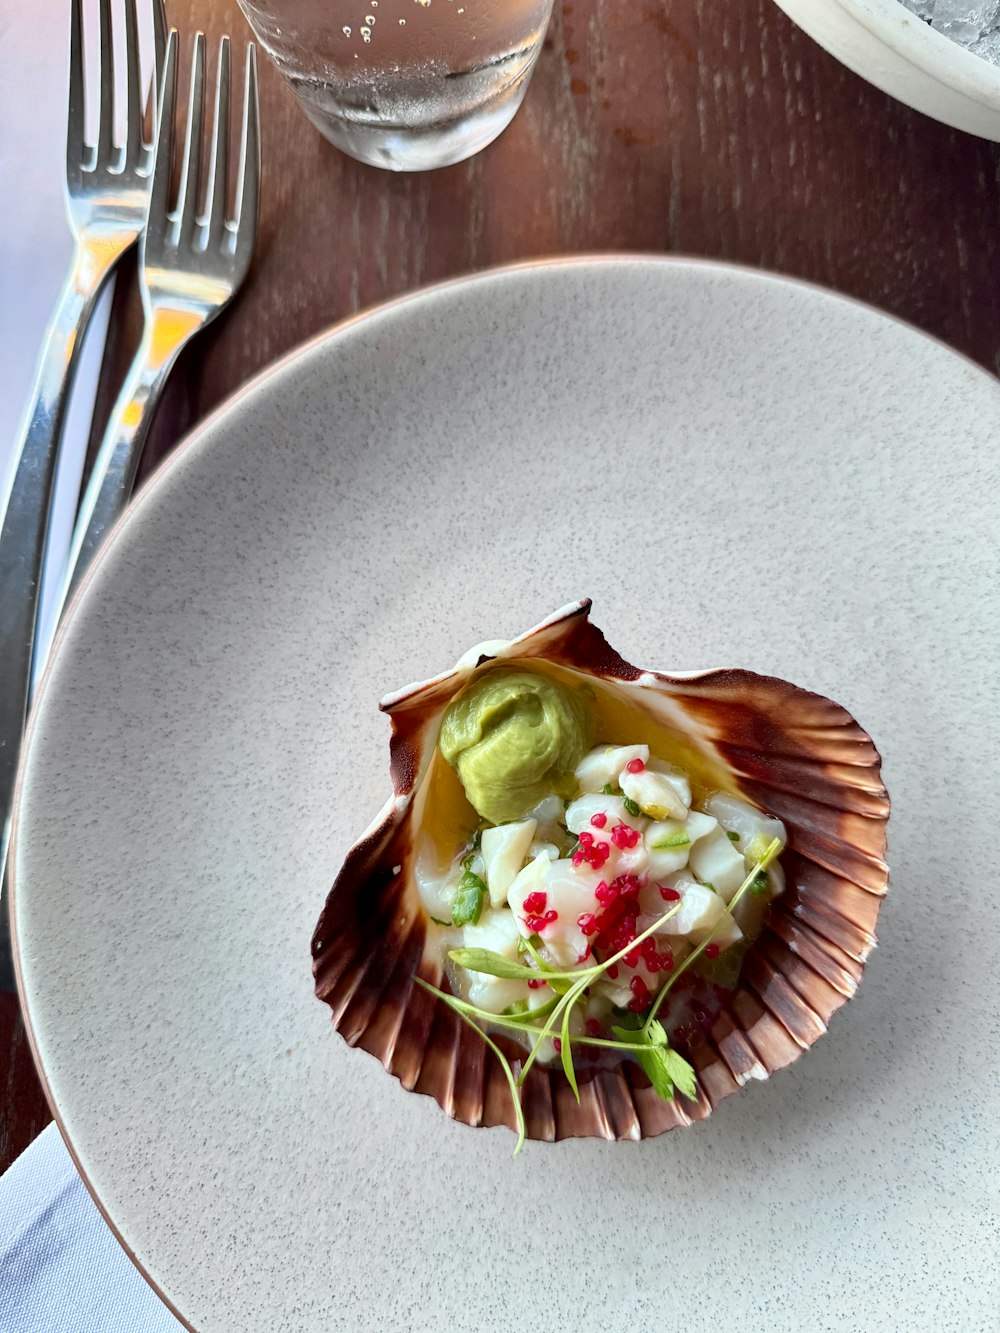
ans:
(61, 1267)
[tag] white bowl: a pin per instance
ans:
(890, 47)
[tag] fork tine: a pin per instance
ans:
(248, 185)
(153, 92)
(215, 204)
(159, 190)
(106, 128)
(133, 92)
(187, 199)
(75, 146)
(159, 37)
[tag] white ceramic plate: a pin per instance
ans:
(739, 470)
(892, 48)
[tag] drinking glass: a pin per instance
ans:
(405, 84)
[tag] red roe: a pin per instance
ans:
(624, 837)
(535, 903)
(668, 895)
(711, 951)
(537, 922)
(591, 852)
(640, 995)
(599, 820)
(536, 983)
(587, 922)
(635, 766)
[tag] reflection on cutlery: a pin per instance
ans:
(107, 188)
(191, 263)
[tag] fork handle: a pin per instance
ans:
(26, 502)
(113, 475)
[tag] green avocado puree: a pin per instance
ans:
(514, 738)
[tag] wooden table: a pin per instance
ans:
(701, 127)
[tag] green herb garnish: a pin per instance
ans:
(609, 789)
(632, 807)
(761, 884)
(438, 922)
(468, 905)
(733, 837)
(678, 839)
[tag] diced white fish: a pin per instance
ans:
(436, 888)
(740, 817)
(715, 860)
(678, 777)
(603, 764)
(652, 901)
(659, 795)
(775, 880)
(504, 849)
(548, 849)
(613, 991)
(530, 880)
(497, 931)
(549, 810)
(669, 842)
(698, 825)
(703, 916)
(625, 861)
(569, 892)
(580, 812)
(548, 814)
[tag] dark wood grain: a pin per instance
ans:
(702, 127)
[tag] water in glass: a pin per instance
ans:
(405, 84)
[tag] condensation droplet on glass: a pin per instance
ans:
(347, 31)
(402, 23)
(366, 34)
(370, 20)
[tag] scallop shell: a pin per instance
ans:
(794, 754)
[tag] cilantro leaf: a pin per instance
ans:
(652, 1062)
(656, 1033)
(681, 1073)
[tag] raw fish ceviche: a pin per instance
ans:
(600, 898)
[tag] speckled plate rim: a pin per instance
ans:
(195, 438)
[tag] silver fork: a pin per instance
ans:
(107, 188)
(190, 266)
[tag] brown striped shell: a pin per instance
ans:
(794, 754)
